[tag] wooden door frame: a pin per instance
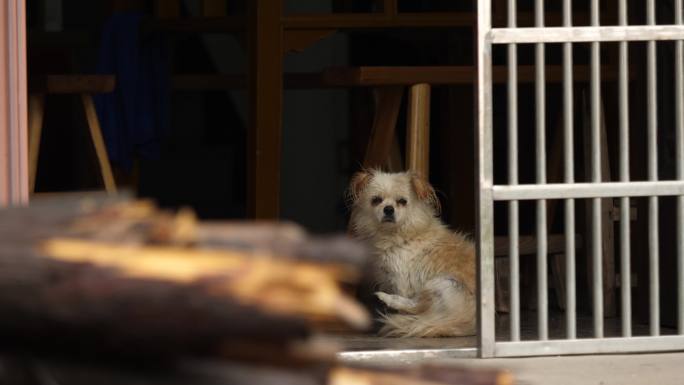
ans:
(13, 104)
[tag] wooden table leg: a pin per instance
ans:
(265, 108)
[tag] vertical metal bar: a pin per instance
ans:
(540, 97)
(568, 125)
(485, 173)
(513, 229)
(625, 253)
(679, 124)
(654, 284)
(597, 287)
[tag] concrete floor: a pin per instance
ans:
(632, 369)
(625, 369)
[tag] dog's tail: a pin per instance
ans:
(423, 325)
(444, 308)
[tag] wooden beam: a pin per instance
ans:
(265, 108)
(352, 21)
(72, 84)
(372, 76)
(377, 20)
(417, 20)
(342, 77)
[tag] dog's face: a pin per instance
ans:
(388, 201)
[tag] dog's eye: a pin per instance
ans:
(401, 202)
(376, 200)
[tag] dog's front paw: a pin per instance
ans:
(397, 302)
(384, 297)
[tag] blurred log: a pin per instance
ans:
(429, 374)
(212, 373)
(122, 278)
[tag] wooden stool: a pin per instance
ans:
(86, 86)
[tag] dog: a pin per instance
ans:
(425, 273)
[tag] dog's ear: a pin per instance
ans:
(358, 183)
(425, 192)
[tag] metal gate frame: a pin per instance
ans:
(513, 192)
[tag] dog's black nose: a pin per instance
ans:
(388, 210)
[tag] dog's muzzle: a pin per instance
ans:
(388, 216)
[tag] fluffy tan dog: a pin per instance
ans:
(424, 271)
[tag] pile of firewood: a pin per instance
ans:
(87, 283)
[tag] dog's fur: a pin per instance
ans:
(424, 271)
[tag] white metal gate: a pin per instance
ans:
(569, 191)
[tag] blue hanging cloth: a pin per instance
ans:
(134, 117)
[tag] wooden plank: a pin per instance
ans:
(265, 108)
(387, 103)
(72, 84)
(98, 143)
(418, 130)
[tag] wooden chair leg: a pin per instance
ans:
(36, 106)
(98, 143)
(418, 130)
(387, 103)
